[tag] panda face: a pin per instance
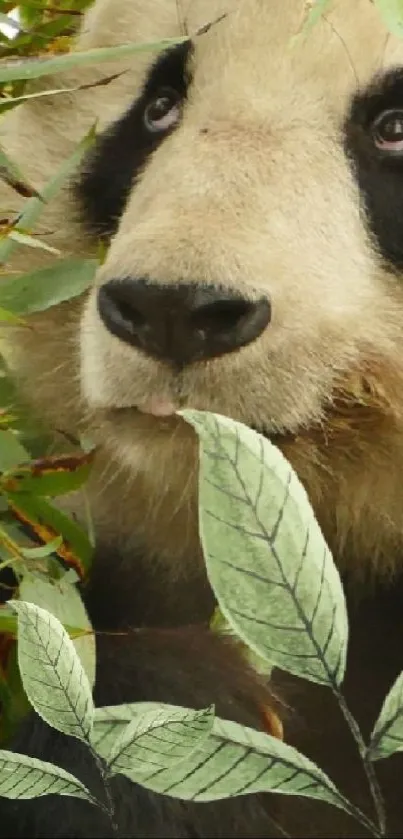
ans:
(251, 191)
(249, 184)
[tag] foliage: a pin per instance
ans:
(275, 581)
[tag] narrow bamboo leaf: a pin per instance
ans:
(33, 68)
(10, 317)
(392, 13)
(8, 621)
(45, 523)
(387, 736)
(30, 241)
(12, 452)
(266, 558)
(160, 739)
(34, 206)
(51, 476)
(51, 671)
(41, 553)
(11, 174)
(47, 287)
(62, 599)
(23, 777)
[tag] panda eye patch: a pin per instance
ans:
(387, 131)
(163, 112)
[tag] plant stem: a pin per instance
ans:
(103, 771)
(376, 791)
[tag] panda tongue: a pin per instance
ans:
(157, 406)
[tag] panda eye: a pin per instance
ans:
(163, 112)
(387, 131)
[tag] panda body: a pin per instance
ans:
(250, 165)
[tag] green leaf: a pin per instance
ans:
(111, 721)
(10, 317)
(51, 476)
(30, 241)
(391, 12)
(63, 600)
(267, 561)
(47, 287)
(33, 68)
(233, 760)
(8, 621)
(51, 671)
(35, 206)
(159, 739)
(12, 453)
(387, 736)
(23, 777)
(46, 522)
(41, 552)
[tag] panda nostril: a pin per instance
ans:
(118, 313)
(223, 315)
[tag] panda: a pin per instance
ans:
(248, 181)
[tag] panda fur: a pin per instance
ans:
(271, 182)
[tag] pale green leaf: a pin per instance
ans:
(391, 12)
(47, 287)
(33, 68)
(40, 552)
(61, 598)
(266, 558)
(233, 760)
(30, 241)
(159, 739)
(111, 720)
(51, 671)
(12, 453)
(387, 736)
(23, 777)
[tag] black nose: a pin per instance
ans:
(181, 323)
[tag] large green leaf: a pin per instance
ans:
(23, 777)
(112, 720)
(267, 561)
(387, 736)
(51, 671)
(62, 599)
(47, 287)
(233, 760)
(159, 739)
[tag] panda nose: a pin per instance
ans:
(181, 323)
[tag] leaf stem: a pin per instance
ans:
(375, 789)
(109, 809)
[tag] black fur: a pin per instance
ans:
(121, 152)
(379, 175)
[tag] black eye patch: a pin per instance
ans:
(121, 152)
(379, 176)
